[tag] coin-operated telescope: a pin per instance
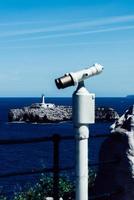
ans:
(83, 114)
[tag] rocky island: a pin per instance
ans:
(50, 113)
(105, 114)
(40, 114)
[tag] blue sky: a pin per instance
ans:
(41, 40)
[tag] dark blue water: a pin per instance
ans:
(33, 156)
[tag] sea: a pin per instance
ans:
(29, 157)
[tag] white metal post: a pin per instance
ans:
(83, 115)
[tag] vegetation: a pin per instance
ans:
(44, 188)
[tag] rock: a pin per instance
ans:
(16, 115)
(39, 114)
(106, 114)
(118, 176)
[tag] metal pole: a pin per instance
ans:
(83, 115)
(56, 141)
(82, 163)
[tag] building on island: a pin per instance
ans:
(46, 105)
(43, 104)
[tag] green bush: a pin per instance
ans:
(44, 188)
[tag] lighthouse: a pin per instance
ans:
(43, 100)
(43, 104)
(46, 105)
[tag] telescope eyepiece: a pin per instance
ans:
(64, 81)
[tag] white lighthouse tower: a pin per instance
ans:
(43, 99)
(43, 104)
(46, 105)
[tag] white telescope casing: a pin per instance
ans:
(73, 78)
(86, 73)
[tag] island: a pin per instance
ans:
(130, 96)
(51, 113)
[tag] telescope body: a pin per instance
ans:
(73, 78)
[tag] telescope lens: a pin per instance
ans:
(64, 81)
